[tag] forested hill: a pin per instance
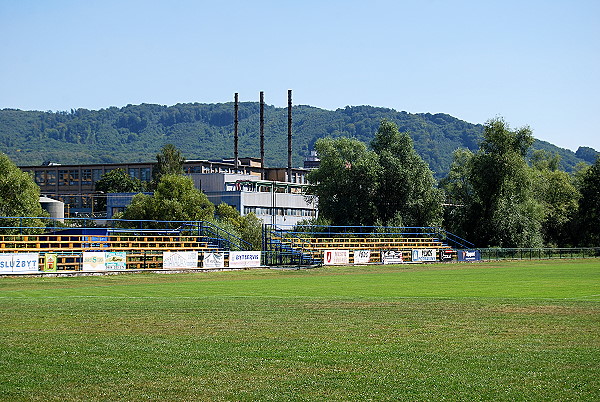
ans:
(135, 133)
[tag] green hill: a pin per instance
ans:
(135, 133)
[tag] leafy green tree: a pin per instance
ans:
(578, 174)
(247, 227)
(390, 185)
(500, 208)
(175, 199)
(346, 181)
(406, 191)
(169, 161)
(19, 197)
(312, 225)
(118, 181)
(251, 230)
(589, 207)
(458, 191)
(555, 191)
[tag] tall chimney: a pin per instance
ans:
(289, 169)
(235, 133)
(262, 135)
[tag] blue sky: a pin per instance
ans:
(534, 63)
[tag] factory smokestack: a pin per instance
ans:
(235, 132)
(289, 169)
(262, 135)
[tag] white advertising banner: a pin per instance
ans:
(93, 261)
(115, 260)
(362, 256)
(244, 259)
(214, 260)
(180, 259)
(424, 254)
(391, 257)
(103, 260)
(336, 257)
(19, 262)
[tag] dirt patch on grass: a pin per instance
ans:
(546, 309)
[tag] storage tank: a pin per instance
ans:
(55, 208)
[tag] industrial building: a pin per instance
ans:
(275, 195)
(248, 188)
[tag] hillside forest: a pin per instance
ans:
(135, 133)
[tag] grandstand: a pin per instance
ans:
(309, 244)
(138, 245)
(141, 248)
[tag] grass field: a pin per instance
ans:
(487, 331)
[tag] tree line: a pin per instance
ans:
(500, 195)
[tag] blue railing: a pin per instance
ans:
(278, 239)
(454, 240)
(212, 233)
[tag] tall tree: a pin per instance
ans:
(346, 181)
(19, 198)
(169, 161)
(458, 191)
(406, 191)
(555, 191)
(589, 207)
(500, 207)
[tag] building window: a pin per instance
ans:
(86, 177)
(63, 177)
(73, 177)
(86, 201)
(40, 177)
(145, 174)
(134, 173)
(51, 177)
(96, 174)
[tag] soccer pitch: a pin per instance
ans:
(519, 330)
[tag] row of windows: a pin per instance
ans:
(75, 177)
(260, 211)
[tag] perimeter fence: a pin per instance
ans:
(498, 254)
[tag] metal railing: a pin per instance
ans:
(45, 225)
(499, 254)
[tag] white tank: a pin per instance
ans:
(55, 208)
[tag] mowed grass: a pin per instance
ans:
(487, 331)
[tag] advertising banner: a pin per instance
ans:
(336, 257)
(362, 256)
(469, 255)
(391, 257)
(19, 262)
(244, 259)
(50, 261)
(93, 261)
(213, 260)
(180, 259)
(424, 255)
(446, 255)
(115, 260)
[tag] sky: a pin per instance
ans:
(531, 62)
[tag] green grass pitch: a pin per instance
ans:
(487, 331)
